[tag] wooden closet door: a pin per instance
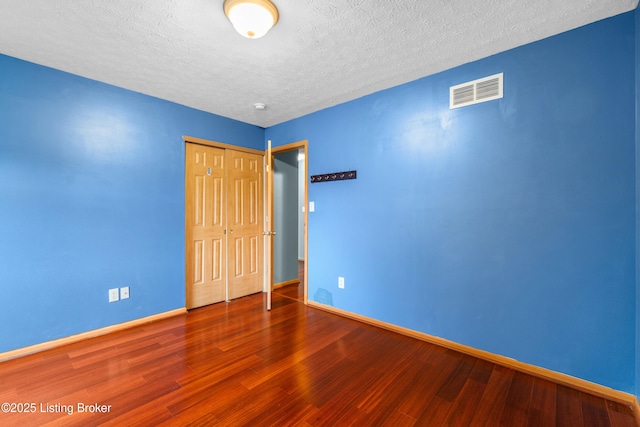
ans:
(245, 218)
(205, 225)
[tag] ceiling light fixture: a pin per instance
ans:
(251, 18)
(259, 106)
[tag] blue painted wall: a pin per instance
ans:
(507, 226)
(91, 198)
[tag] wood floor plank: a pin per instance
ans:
(389, 388)
(435, 413)
(594, 410)
(494, 397)
(427, 382)
(465, 405)
(568, 407)
(620, 414)
(315, 377)
(324, 338)
(516, 408)
(381, 403)
(394, 419)
(237, 364)
(212, 383)
(543, 404)
(251, 407)
(457, 379)
(142, 417)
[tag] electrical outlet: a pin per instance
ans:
(341, 282)
(113, 295)
(124, 292)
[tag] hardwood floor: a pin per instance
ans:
(236, 364)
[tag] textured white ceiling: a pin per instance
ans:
(321, 52)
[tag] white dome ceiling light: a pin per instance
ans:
(251, 18)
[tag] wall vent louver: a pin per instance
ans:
(481, 90)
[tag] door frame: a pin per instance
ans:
(299, 145)
(267, 259)
(200, 141)
(208, 143)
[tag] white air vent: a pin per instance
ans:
(481, 90)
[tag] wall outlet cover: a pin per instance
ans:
(113, 295)
(124, 292)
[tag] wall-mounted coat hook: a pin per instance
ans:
(336, 176)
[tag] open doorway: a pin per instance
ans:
(289, 219)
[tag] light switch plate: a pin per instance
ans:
(312, 206)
